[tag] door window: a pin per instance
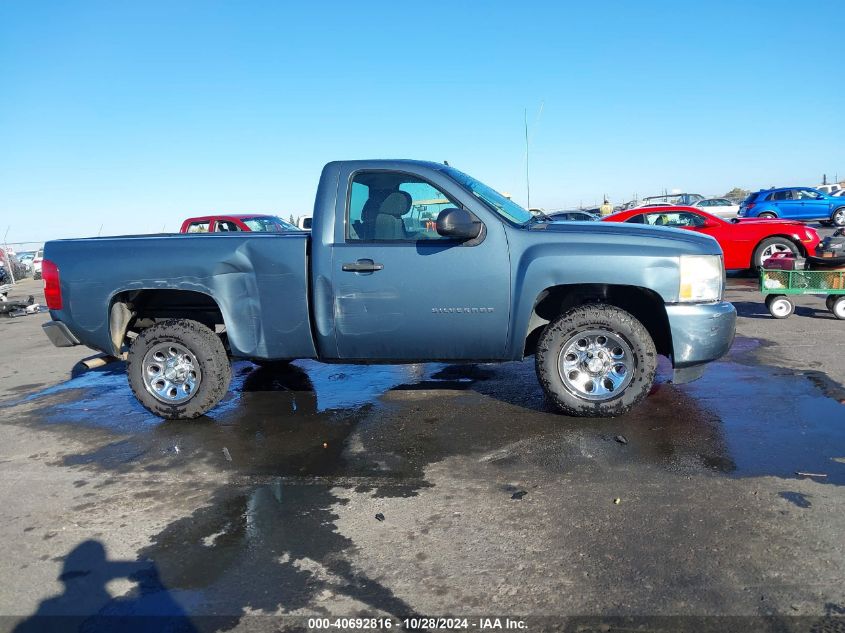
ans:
(198, 227)
(392, 206)
(682, 218)
(225, 225)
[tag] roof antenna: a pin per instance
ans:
(527, 171)
(527, 178)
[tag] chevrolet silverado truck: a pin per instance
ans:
(406, 262)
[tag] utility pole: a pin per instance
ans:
(6, 256)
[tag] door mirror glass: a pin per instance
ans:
(458, 224)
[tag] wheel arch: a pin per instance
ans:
(644, 304)
(131, 311)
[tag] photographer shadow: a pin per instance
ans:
(86, 605)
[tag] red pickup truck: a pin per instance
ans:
(238, 222)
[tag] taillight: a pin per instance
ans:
(52, 288)
(749, 206)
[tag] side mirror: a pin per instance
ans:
(458, 224)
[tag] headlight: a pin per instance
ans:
(702, 278)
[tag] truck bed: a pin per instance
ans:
(259, 281)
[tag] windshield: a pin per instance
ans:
(505, 207)
(268, 224)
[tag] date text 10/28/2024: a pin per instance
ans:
(417, 623)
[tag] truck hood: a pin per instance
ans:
(687, 242)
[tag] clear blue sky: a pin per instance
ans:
(135, 115)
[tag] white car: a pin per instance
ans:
(839, 194)
(831, 190)
(721, 207)
(648, 205)
(36, 263)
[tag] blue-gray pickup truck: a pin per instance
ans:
(407, 261)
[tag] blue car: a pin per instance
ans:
(794, 203)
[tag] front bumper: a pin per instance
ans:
(59, 335)
(701, 333)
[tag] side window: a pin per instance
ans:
(392, 206)
(637, 219)
(782, 195)
(198, 227)
(806, 194)
(225, 225)
(675, 219)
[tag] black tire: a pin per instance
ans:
(828, 302)
(587, 320)
(780, 306)
(757, 257)
(838, 308)
(215, 370)
(767, 215)
(837, 218)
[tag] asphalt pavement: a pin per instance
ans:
(431, 490)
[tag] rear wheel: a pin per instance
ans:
(767, 215)
(837, 218)
(838, 308)
(770, 246)
(779, 306)
(596, 360)
(178, 369)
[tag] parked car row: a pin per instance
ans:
(9, 260)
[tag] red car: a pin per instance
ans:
(745, 242)
(239, 222)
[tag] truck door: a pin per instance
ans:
(403, 292)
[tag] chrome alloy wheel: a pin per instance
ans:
(171, 373)
(771, 249)
(596, 365)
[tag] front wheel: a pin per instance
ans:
(596, 360)
(779, 306)
(838, 217)
(178, 369)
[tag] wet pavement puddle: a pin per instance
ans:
(741, 418)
